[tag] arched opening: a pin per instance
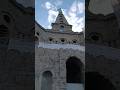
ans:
(95, 37)
(95, 81)
(74, 70)
(38, 33)
(62, 40)
(50, 39)
(46, 83)
(74, 41)
(36, 38)
(4, 35)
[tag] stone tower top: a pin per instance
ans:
(60, 18)
(61, 24)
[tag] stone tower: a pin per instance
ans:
(59, 57)
(61, 23)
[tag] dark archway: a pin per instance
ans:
(46, 83)
(74, 70)
(95, 81)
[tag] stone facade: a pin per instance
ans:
(54, 48)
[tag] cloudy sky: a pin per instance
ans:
(46, 12)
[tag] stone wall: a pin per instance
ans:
(54, 60)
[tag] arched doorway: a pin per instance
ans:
(74, 70)
(46, 83)
(95, 81)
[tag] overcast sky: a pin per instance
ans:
(46, 12)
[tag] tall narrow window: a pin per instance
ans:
(46, 83)
(4, 35)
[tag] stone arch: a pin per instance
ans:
(47, 81)
(96, 81)
(74, 68)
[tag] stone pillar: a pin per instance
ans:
(62, 74)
